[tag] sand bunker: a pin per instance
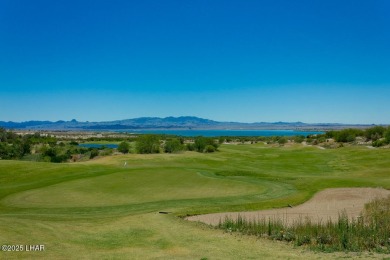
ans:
(325, 205)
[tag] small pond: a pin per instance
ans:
(89, 145)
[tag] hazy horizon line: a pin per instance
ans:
(219, 121)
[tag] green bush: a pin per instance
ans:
(94, 153)
(322, 139)
(55, 154)
(347, 135)
(282, 140)
(386, 135)
(107, 151)
(124, 147)
(374, 133)
(190, 147)
(209, 149)
(299, 139)
(379, 143)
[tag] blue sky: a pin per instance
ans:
(246, 61)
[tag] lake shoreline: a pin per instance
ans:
(231, 133)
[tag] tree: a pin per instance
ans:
(201, 143)
(148, 144)
(5, 151)
(173, 145)
(26, 147)
(124, 147)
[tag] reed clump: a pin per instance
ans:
(368, 232)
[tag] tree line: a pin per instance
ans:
(48, 148)
(147, 144)
(42, 147)
(378, 135)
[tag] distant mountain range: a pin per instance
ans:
(184, 122)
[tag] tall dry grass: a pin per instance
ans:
(369, 232)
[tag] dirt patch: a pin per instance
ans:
(325, 205)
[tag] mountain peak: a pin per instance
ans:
(181, 122)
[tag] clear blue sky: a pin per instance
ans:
(247, 61)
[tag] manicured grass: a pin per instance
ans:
(101, 209)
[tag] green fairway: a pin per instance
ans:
(104, 209)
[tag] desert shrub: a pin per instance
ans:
(374, 133)
(282, 140)
(330, 134)
(379, 143)
(322, 139)
(299, 139)
(347, 135)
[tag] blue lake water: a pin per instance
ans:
(214, 133)
(113, 146)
